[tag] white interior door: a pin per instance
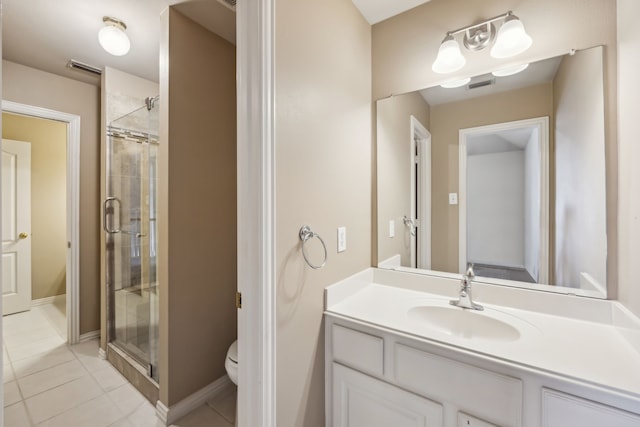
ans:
(16, 226)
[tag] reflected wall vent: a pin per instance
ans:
(484, 83)
(231, 4)
(81, 66)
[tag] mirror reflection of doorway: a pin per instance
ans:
(504, 169)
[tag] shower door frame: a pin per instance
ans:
(73, 210)
(110, 311)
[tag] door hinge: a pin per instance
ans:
(68, 245)
(238, 300)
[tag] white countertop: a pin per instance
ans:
(594, 341)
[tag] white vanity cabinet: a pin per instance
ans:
(378, 377)
(376, 381)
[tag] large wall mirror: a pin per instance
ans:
(505, 172)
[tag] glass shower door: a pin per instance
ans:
(130, 228)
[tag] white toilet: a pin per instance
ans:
(231, 365)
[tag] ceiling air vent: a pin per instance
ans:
(484, 83)
(231, 4)
(80, 66)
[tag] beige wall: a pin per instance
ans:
(29, 86)
(404, 47)
(121, 93)
(446, 121)
(580, 222)
(323, 179)
(197, 206)
(48, 139)
(393, 170)
(629, 173)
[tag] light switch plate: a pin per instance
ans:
(392, 228)
(453, 198)
(342, 239)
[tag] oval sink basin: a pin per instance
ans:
(464, 323)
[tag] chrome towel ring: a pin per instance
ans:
(305, 235)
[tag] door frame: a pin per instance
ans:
(542, 123)
(421, 151)
(255, 29)
(73, 206)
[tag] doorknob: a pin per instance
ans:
(23, 235)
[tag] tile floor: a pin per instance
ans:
(49, 383)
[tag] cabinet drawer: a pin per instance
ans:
(360, 400)
(358, 350)
(465, 420)
(560, 410)
(493, 397)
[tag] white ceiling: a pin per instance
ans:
(375, 11)
(500, 142)
(46, 34)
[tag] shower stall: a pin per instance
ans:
(129, 223)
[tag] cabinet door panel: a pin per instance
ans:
(362, 401)
(561, 410)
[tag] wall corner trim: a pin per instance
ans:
(169, 415)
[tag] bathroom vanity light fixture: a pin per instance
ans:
(511, 40)
(112, 37)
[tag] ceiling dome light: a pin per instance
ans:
(510, 71)
(512, 39)
(455, 83)
(112, 37)
(449, 57)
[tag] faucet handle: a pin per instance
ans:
(469, 273)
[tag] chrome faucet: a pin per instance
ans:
(465, 300)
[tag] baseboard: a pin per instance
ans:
(169, 415)
(47, 300)
(89, 336)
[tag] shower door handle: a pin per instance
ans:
(105, 206)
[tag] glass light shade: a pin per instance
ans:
(512, 39)
(114, 40)
(510, 71)
(455, 83)
(449, 57)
